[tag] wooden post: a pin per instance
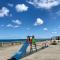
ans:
(2, 44)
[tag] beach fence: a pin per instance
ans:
(9, 43)
(2, 44)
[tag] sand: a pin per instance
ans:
(7, 52)
(50, 53)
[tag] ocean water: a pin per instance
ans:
(21, 40)
(12, 40)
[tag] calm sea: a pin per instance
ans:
(20, 40)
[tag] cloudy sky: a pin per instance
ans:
(19, 18)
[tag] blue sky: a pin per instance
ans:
(20, 18)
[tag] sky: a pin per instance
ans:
(20, 18)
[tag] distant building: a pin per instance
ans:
(55, 38)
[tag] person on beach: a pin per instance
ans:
(30, 40)
(27, 40)
(34, 42)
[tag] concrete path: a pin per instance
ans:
(50, 53)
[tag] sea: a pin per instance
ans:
(21, 40)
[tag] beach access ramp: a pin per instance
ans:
(21, 52)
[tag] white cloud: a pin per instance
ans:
(12, 26)
(39, 21)
(21, 7)
(58, 13)
(2, 25)
(46, 4)
(9, 25)
(16, 26)
(45, 29)
(54, 32)
(4, 12)
(11, 5)
(17, 22)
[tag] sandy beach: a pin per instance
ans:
(50, 53)
(6, 53)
